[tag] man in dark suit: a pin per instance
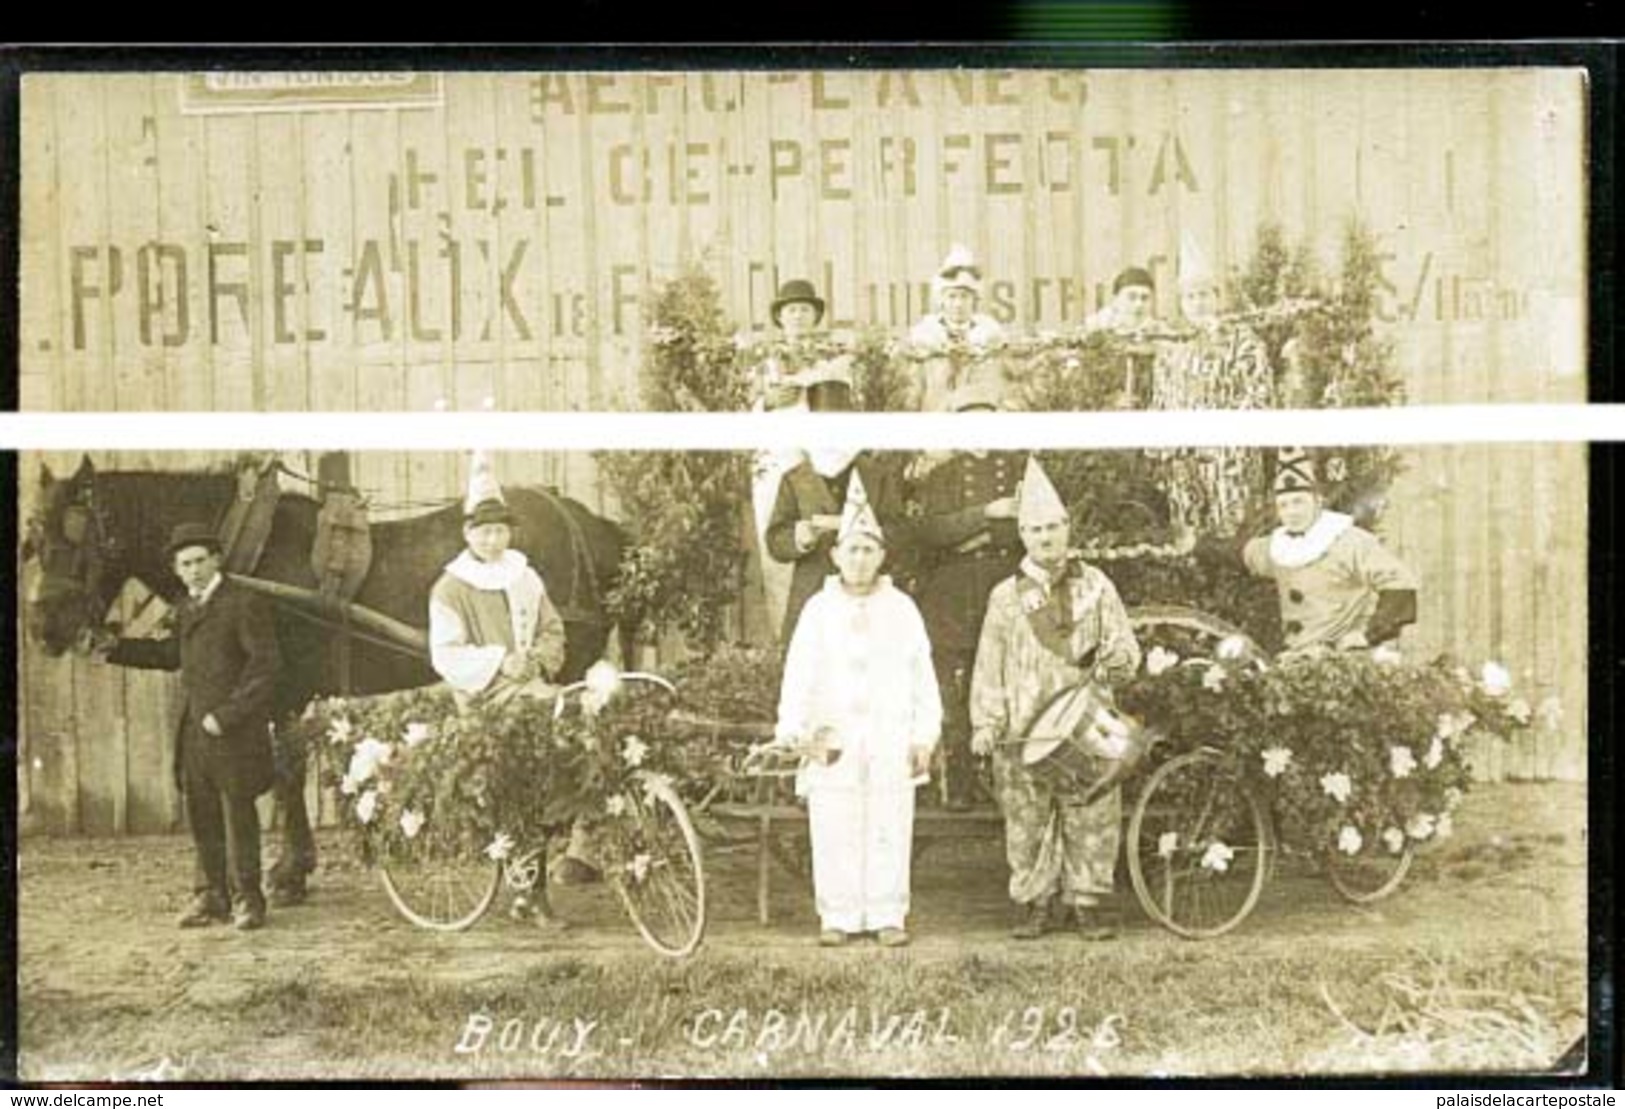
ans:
(226, 650)
(807, 513)
(966, 533)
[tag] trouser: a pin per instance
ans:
(1054, 845)
(225, 829)
(297, 855)
(862, 841)
(953, 668)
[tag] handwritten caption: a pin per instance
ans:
(1036, 1029)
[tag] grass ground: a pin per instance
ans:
(1477, 964)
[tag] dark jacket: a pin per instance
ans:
(963, 554)
(805, 493)
(226, 651)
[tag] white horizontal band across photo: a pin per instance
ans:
(1489, 423)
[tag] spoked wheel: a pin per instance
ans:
(663, 884)
(444, 891)
(1199, 846)
(1369, 876)
(1192, 633)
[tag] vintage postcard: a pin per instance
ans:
(391, 764)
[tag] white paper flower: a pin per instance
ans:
(1167, 843)
(1386, 655)
(615, 805)
(633, 750)
(1337, 469)
(1495, 679)
(1159, 660)
(602, 680)
(1453, 726)
(348, 786)
(1213, 679)
(1434, 754)
(1276, 760)
(500, 847)
(639, 866)
(1337, 786)
(367, 806)
(652, 782)
(1444, 826)
(411, 823)
(1452, 798)
(1395, 840)
(1232, 647)
(1401, 761)
(1217, 857)
(369, 755)
(418, 732)
(1421, 826)
(1349, 840)
(340, 730)
(1520, 711)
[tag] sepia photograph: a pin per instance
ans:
(802, 763)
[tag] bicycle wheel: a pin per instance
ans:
(443, 892)
(1192, 633)
(663, 887)
(1369, 876)
(1199, 846)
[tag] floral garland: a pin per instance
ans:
(416, 774)
(802, 350)
(1354, 753)
(823, 346)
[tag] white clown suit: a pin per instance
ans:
(859, 674)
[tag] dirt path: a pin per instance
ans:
(96, 932)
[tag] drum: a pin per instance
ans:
(1082, 744)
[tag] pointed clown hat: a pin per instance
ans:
(1294, 472)
(1040, 503)
(1194, 269)
(484, 503)
(958, 271)
(858, 515)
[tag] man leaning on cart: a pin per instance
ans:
(1340, 588)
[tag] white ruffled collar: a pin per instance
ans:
(498, 575)
(1293, 551)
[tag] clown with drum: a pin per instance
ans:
(1054, 625)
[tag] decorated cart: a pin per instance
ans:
(1352, 761)
(454, 802)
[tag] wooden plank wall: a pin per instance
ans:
(497, 249)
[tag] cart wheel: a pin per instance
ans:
(1369, 876)
(1199, 846)
(1190, 632)
(443, 894)
(664, 886)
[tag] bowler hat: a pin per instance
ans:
(798, 291)
(1134, 276)
(191, 535)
